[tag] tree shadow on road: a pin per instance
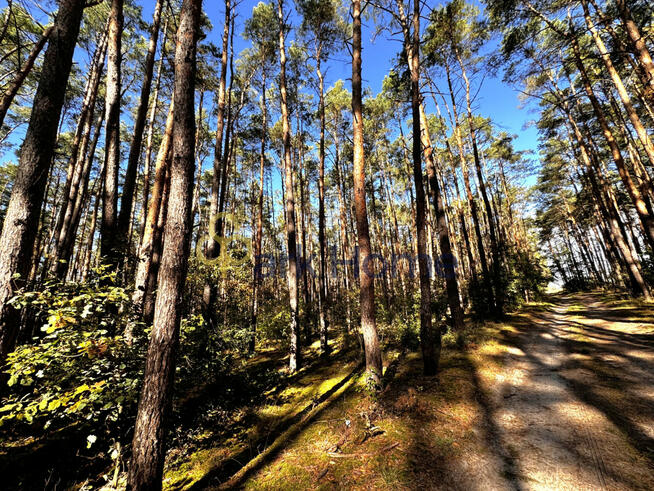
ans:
(608, 368)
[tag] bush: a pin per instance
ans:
(80, 367)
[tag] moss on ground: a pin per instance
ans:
(403, 438)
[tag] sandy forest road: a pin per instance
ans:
(574, 402)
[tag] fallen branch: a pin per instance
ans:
(361, 454)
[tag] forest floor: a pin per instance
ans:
(558, 396)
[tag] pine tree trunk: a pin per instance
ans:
(612, 229)
(150, 288)
(148, 451)
(228, 146)
(447, 260)
(22, 215)
(303, 238)
(481, 250)
(367, 282)
(647, 221)
(81, 133)
(109, 241)
(497, 280)
(76, 209)
(149, 139)
(78, 171)
(429, 338)
(617, 82)
(638, 43)
(495, 247)
(256, 281)
(154, 209)
(322, 241)
(626, 261)
(291, 238)
(462, 219)
(86, 265)
(212, 251)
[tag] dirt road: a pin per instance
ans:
(574, 402)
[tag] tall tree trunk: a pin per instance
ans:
(83, 123)
(605, 205)
(294, 359)
(447, 261)
(209, 293)
(198, 171)
(322, 244)
(343, 235)
(342, 213)
(149, 139)
(462, 219)
(459, 210)
(497, 279)
(146, 467)
(109, 241)
(481, 250)
(153, 211)
(76, 208)
(557, 263)
(303, 237)
(256, 281)
(86, 265)
(377, 227)
(129, 185)
(367, 281)
(638, 42)
(22, 215)
(77, 170)
(429, 339)
(228, 144)
(627, 261)
(617, 82)
(150, 293)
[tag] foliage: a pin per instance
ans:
(526, 276)
(80, 366)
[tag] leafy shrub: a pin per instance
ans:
(80, 367)
(205, 353)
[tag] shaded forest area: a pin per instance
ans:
(209, 241)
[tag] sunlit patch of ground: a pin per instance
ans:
(420, 433)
